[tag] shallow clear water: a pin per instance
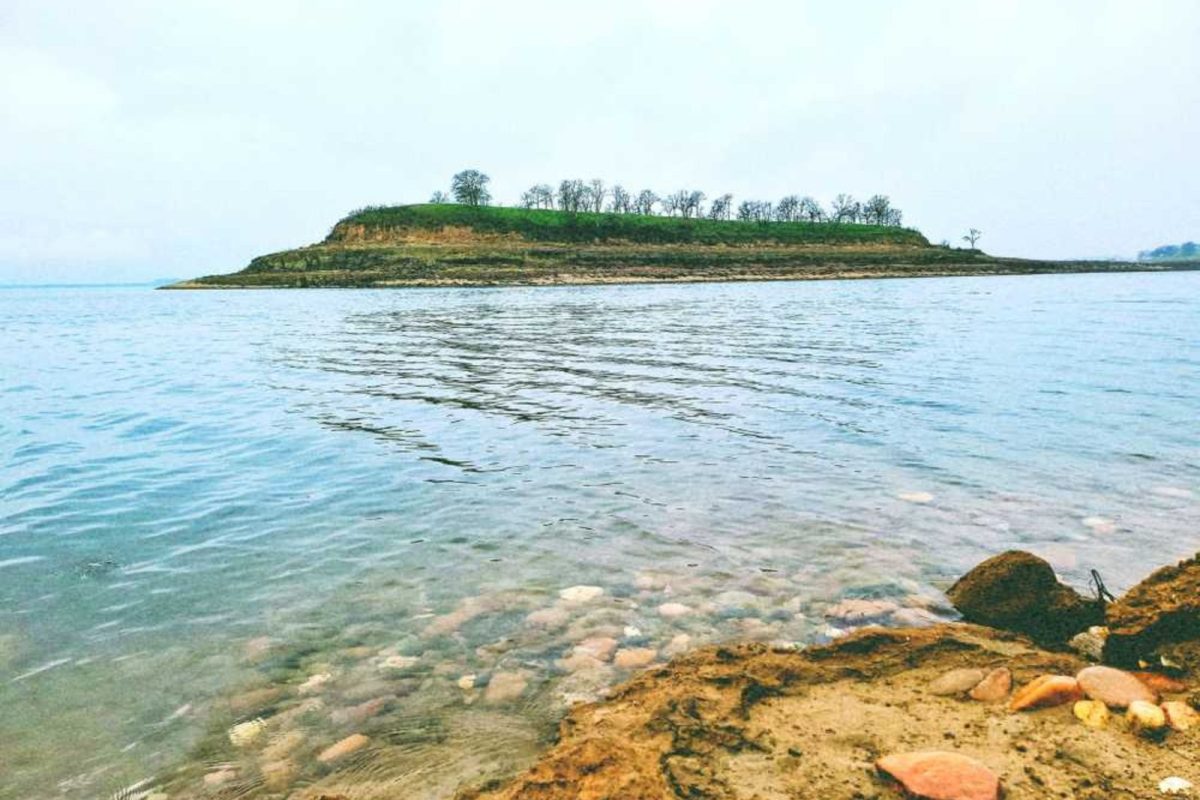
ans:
(184, 474)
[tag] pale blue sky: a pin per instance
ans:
(142, 139)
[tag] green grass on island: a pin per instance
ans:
(463, 245)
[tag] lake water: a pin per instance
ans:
(327, 509)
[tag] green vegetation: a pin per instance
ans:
(1188, 251)
(540, 225)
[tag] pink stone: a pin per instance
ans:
(937, 775)
(1114, 687)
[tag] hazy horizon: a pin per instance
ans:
(143, 141)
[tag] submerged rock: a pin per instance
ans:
(1162, 609)
(248, 734)
(343, 748)
(635, 657)
(598, 647)
(938, 775)
(548, 618)
(860, 611)
(1018, 591)
(505, 686)
(674, 610)
(277, 776)
(578, 595)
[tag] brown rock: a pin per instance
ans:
(936, 775)
(993, 688)
(1018, 591)
(956, 682)
(1163, 684)
(1044, 691)
(1180, 716)
(1113, 687)
(1162, 609)
(338, 750)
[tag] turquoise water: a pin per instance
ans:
(203, 493)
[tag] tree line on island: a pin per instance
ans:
(470, 187)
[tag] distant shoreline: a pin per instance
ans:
(996, 270)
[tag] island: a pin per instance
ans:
(572, 236)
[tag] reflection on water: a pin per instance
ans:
(379, 514)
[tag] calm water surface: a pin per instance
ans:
(209, 495)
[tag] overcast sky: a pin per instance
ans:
(148, 139)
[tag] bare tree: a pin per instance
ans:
(972, 237)
(540, 196)
(439, 198)
(622, 201)
(572, 195)
(788, 209)
(721, 208)
(811, 210)
(673, 203)
(645, 202)
(894, 217)
(755, 211)
(469, 187)
(596, 194)
(846, 208)
(694, 206)
(877, 210)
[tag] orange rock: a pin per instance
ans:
(936, 775)
(345, 747)
(1163, 684)
(993, 688)
(1046, 690)
(1116, 688)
